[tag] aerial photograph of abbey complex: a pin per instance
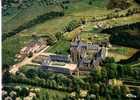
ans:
(70, 50)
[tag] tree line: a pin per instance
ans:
(37, 20)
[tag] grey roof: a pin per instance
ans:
(61, 58)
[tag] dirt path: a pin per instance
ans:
(26, 61)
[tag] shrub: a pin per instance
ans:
(72, 25)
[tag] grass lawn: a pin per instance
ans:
(50, 26)
(83, 8)
(61, 47)
(26, 15)
(93, 37)
(121, 52)
(11, 47)
(56, 95)
(75, 10)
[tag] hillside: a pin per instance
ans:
(70, 50)
(19, 22)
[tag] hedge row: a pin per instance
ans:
(117, 15)
(37, 20)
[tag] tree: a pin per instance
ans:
(90, 2)
(104, 74)
(95, 74)
(30, 54)
(51, 39)
(138, 92)
(24, 92)
(72, 25)
(122, 4)
(120, 70)
(6, 77)
(138, 1)
(82, 20)
(31, 73)
(111, 70)
(124, 90)
(116, 92)
(109, 60)
(59, 35)
(13, 95)
(96, 88)
(102, 89)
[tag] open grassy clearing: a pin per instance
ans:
(92, 26)
(80, 8)
(61, 47)
(50, 26)
(54, 94)
(121, 52)
(93, 37)
(75, 9)
(26, 15)
(83, 8)
(12, 46)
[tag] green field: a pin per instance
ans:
(93, 36)
(121, 52)
(11, 47)
(23, 16)
(75, 10)
(61, 47)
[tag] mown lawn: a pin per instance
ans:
(61, 47)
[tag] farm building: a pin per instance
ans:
(33, 47)
(60, 64)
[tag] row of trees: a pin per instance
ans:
(15, 92)
(21, 92)
(122, 4)
(71, 25)
(37, 20)
(41, 78)
(116, 14)
(19, 4)
(96, 82)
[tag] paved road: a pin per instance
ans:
(26, 61)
